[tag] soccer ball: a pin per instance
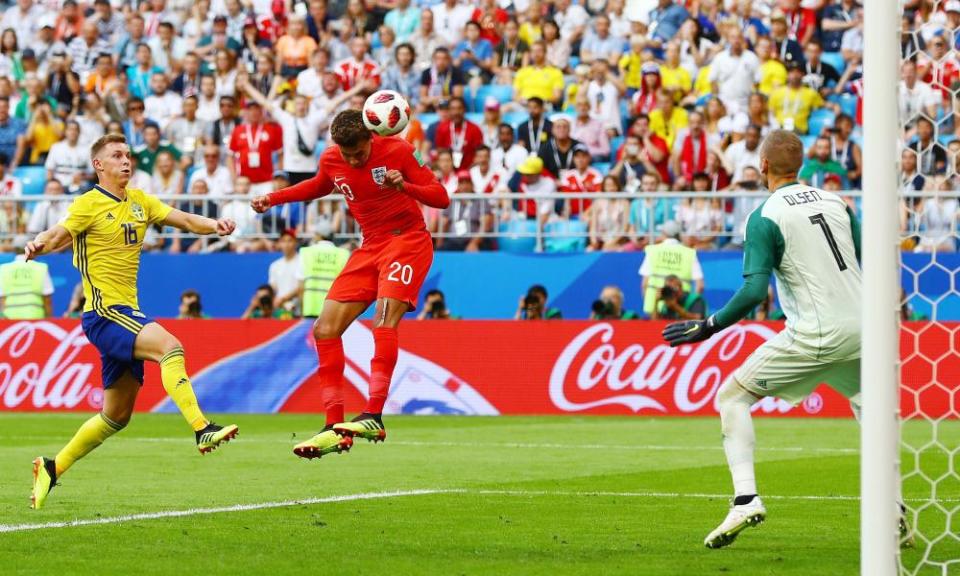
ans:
(386, 113)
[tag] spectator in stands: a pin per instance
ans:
(533, 181)
(426, 40)
(916, 96)
(911, 178)
(463, 222)
(792, 104)
(247, 221)
(600, 44)
(310, 81)
(68, 162)
(283, 275)
(208, 103)
(441, 81)
(603, 93)
(674, 303)
(937, 219)
(733, 71)
(185, 133)
(533, 306)
(609, 220)
(820, 164)
(217, 40)
(820, 75)
(744, 153)
(168, 49)
(772, 72)
(92, 120)
(632, 165)
(403, 76)
(261, 305)
(932, 155)
(785, 41)
(693, 144)
(537, 129)
(538, 79)
(47, 213)
(139, 76)
(474, 56)
(359, 67)
(332, 100)
(46, 43)
(146, 154)
(845, 151)
(434, 307)
(674, 76)
(450, 17)
(216, 176)
(701, 219)
(10, 185)
(572, 20)
(404, 20)
(557, 152)
(633, 68)
(43, 131)
(221, 129)
(253, 144)
(225, 72)
(162, 106)
(558, 49)
(486, 178)
(510, 54)
(190, 306)
(84, 49)
(458, 134)
(852, 46)
(590, 131)
(665, 21)
(508, 154)
(837, 18)
(579, 178)
(490, 126)
(167, 177)
(102, 78)
(294, 48)
(110, 24)
(610, 306)
(648, 214)
(665, 258)
(667, 119)
(187, 82)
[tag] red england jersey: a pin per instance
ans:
(352, 72)
(379, 209)
(573, 181)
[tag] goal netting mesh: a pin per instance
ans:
(930, 315)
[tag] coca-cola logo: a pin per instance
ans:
(591, 372)
(54, 382)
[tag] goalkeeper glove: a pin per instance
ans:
(690, 331)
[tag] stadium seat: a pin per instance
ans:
(836, 60)
(33, 179)
(475, 117)
(808, 141)
(512, 241)
(820, 119)
(565, 236)
(515, 119)
(503, 94)
(615, 145)
(602, 167)
(946, 139)
(427, 118)
(848, 104)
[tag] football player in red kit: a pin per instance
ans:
(384, 180)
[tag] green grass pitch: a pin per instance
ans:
(448, 495)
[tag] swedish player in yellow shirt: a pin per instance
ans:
(106, 226)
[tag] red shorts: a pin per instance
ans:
(388, 267)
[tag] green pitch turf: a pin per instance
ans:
(508, 495)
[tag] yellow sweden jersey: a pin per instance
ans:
(107, 238)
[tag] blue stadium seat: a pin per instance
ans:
(503, 94)
(836, 60)
(475, 117)
(515, 119)
(808, 141)
(572, 236)
(517, 243)
(848, 103)
(602, 167)
(33, 179)
(426, 119)
(820, 119)
(945, 139)
(615, 144)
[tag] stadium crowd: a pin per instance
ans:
(524, 97)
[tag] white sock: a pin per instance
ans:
(738, 436)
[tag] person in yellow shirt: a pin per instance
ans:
(773, 74)
(538, 78)
(630, 65)
(106, 227)
(674, 77)
(793, 103)
(702, 85)
(532, 30)
(667, 119)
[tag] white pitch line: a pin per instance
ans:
(516, 445)
(7, 528)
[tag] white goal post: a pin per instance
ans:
(880, 430)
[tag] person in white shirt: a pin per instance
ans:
(216, 176)
(167, 179)
(240, 241)
(208, 104)
(744, 153)
(449, 20)
(163, 105)
(572, 20)
(68, 162)
(24, 19)
(310, 81)
(734, 71)
(487, 178)
(92, 121)
(916, 96)
(186, 133)
(509, 153)
(300, 133)
(48, 213)
(284, 272)
(603, 93)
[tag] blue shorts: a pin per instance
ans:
(114, 335)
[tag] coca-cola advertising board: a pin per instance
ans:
(454, 367)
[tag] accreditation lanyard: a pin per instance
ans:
(253, 139)
(535, 136)
(556, 156)
(509, 56)
(457, 140)
(841, 155)
(796, 101)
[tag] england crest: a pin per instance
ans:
(137, 211)
(379, 175)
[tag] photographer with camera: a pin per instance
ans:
(675, 304)
(668, 257)
(434, 307)
(190, 306)
(533, 306)
(261, 305)
(610, 306)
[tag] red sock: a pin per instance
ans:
(381, 367)
(330, 354)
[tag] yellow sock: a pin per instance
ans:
(173, 372)
(90, 435)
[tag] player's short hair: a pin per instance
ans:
(783, 151)
(539, 289)
(348, 130)
(103, 141)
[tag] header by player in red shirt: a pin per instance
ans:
(382, 179)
